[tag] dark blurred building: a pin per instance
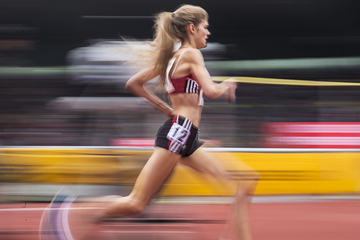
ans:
(303, 39)
(256, 29)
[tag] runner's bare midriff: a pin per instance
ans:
(187, 105)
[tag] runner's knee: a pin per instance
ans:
(135, 208)
(246, 188)
(124, 206)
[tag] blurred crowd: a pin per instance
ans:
(48, 110)
(84, 102)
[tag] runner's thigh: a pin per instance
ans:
(220, 165)
(154, 173)
(204, 162)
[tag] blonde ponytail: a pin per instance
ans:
(164, 40)
(169, 28)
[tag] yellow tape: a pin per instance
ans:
(255, 80)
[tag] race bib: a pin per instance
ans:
(178, 133)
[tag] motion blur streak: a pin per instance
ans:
(66, 118)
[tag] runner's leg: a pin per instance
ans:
(203, 162)
(150, 179)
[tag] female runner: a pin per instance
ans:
(186, 79)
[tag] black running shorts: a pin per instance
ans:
(178, 135)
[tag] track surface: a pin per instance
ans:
(330, 220)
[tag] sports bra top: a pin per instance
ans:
(186, 84)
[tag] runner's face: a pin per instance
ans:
(202, 34)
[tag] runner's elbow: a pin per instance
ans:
(132, 86)
(211, 93)
(129, 85)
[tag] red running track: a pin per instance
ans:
(323, 220)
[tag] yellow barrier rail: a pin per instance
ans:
(282, 171)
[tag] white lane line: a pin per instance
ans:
(131, 232)
(43, 209)
(124, 224)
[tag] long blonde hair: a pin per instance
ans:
(170, 28)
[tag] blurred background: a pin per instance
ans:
(62, 76)
(67, 119)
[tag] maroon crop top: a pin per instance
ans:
(186, 84)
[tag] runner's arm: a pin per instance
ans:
(135, 85)
(210, 88)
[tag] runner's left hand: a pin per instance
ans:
(230, 93)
